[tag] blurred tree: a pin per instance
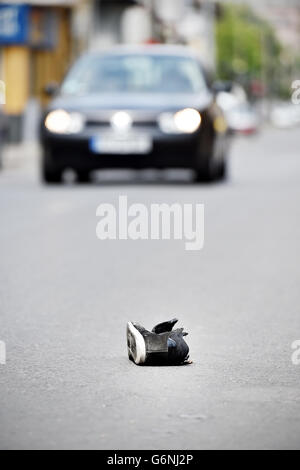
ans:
(247, 47)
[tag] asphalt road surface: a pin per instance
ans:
(65, 298)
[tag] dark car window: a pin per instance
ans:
(135, 74)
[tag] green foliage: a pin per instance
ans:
(246, 44)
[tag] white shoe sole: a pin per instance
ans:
(136, 345)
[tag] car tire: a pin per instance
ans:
(49, 174)
(83, 177)
(207, 173)
(51, 177)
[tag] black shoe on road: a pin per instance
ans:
(162, 346)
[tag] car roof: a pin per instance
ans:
(146, 49)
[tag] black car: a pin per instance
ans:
(135, 107)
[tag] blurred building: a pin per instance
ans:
(285, 18)
(35, 49)
(120, 21)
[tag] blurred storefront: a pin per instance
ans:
(190, 22)
(120, 21)
(35, 49)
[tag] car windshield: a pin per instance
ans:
(135, 74)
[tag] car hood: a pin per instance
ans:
(144, 102)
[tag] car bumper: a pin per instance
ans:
(167, 152)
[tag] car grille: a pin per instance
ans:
(136, 124)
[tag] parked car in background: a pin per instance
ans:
(243, 119)
(241, 116)
(135, 107)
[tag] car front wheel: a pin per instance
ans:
(207, 172)
(50, 174)
(83, 177)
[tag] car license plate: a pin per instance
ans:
(121, 145)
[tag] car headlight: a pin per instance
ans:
(186, 121)
(62, 122)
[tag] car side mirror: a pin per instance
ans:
(222, 86)
(51, 89)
